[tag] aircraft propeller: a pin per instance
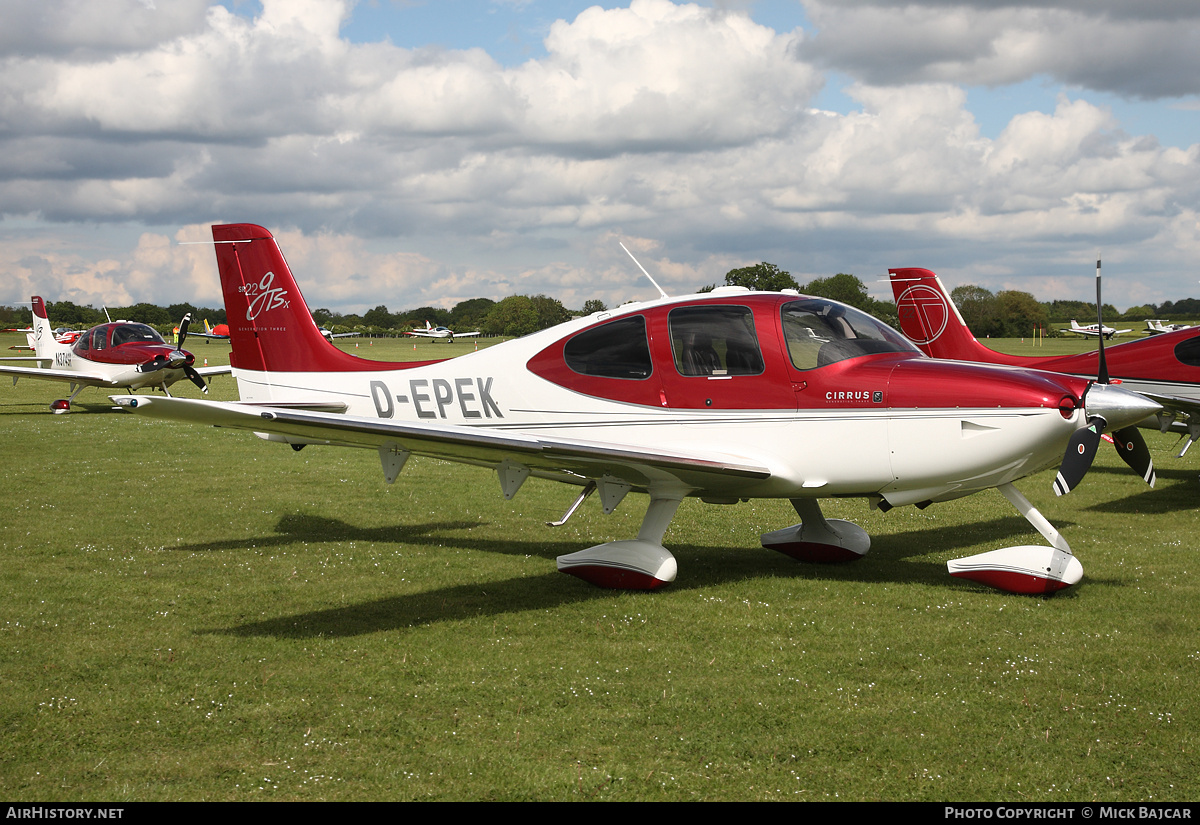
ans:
(1081, 449)
(178, 359)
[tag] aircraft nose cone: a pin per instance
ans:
(1119, 407)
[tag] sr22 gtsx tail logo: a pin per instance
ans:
(263, 296)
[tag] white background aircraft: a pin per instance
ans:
(725, 396)
(1159, 327)
(119, 354)
(430, 331)
(1095, 330)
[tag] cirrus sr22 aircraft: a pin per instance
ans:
(119, 354)
(725, 396)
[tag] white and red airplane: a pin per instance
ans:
(725, 396)
(119, 354)
(1095, 330)
(1165, 368)
(430, 331)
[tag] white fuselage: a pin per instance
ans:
(907, 456)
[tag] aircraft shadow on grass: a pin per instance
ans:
(1164, 500)
(708, 567)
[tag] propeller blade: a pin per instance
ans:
(154, 365)
(183, 328)
(196, 378)
(1081, 451)
(1103, 376)
(1134, 452)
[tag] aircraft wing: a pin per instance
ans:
(87, 379)
(420, 333)
(568, 460)
(209, 372)
(193, 334)
(1181, 415)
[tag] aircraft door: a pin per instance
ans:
(720, 357)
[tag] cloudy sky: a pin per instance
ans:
(412, 152)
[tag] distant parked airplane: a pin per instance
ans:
(1095, 330)
(430, 331)
(1154, 327)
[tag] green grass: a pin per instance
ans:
(187, 613)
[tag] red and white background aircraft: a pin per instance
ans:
(725, 396)
(119, 354)
(218, 333)
(1165, 368)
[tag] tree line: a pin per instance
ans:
(1003, 314)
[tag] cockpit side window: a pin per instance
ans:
(820, 332)
(619, 349)
(715, 340)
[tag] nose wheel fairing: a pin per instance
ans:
(1025, 569)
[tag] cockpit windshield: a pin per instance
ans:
(820, 332)
(126, 333)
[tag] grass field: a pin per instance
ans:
(187, 613)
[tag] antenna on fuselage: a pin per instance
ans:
(644, 272)
(106, 315)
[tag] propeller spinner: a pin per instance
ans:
(178, 359)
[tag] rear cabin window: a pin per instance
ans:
(715, 340)
(619, 349)
(820, 332)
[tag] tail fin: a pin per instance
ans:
(207, 328)
(270, 327)
(42, 339)
(929, 318)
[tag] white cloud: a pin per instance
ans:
(411, 177)
(1137, 49)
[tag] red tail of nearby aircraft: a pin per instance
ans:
(931, 320)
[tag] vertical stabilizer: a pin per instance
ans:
(270, 326)
(929, 318)
(42, 339)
